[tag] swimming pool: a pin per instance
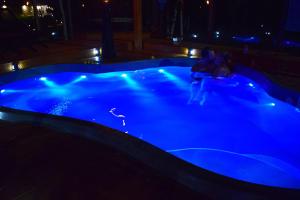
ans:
(228, 126)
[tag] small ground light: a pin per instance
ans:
(195, 36)
(12, 67)
(267, 33)
(175, 40)
(95, 51)
(192, 52)
(53, 33)
(97, 58)
(43, 79)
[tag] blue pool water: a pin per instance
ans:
(229, 126)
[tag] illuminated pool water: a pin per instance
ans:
(229, 126)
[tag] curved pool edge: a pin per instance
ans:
(196, 178)
(181, 171)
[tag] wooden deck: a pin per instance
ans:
(38, 163)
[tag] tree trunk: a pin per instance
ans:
(211, 19)
(70, 20)
(63, 15)
(281, 25)
(108, 50)
(138, 24)
(36, 15)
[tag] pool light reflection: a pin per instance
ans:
(176, 80)
(80, 78)
(48, 83)
(97, 58)
(131, 82)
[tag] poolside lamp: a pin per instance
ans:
(4, 6)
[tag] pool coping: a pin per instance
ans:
(196, 178)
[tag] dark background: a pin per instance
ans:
(231, 17)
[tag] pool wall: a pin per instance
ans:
(198, 179)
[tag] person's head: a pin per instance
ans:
(207, 53)
(222, 59)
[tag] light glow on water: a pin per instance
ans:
(232, 126)
(175, 79)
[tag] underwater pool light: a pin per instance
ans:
(272, 104)
(43, 79)
(2, 91)
(83, 76)
(161, 71)
(124, 75)
(251, 85)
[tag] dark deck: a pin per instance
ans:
(38, 163)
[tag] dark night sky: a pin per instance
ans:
(247, 15)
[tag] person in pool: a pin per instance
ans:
(204, 65)
(203, 68)
(222, 65)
